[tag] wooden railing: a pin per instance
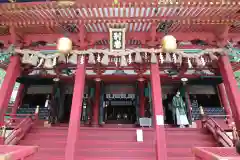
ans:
(19, 125)
(226, 118)
(215, 153)
(17, 152)
(219, 134)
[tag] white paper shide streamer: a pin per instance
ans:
(38, 59)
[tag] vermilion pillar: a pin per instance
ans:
(142, 98)
(158, 118)
(75, 116)
(230, 84)
(224, 100)
(189, 105)
(18, 99)
(12, 73)
(96, 104)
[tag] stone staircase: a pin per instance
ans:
(115, 143)
(51, 142)
(180, 142)
(93, 143)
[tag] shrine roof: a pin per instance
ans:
(32, 19)
(186, 15)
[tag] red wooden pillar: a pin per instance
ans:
(231, 87)
(158, 118)
(96, 104)
(189, 105)
(142, 98)
(224, 100)
(75, 116)
(18, 99)
(12, 73)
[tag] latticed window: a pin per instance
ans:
(15, 89)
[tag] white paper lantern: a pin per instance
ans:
(169, 43)
(64, 45)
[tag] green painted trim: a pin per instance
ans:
(234, 55)
(237, 76)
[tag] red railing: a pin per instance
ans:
(15, 119)
(219, 134)
(215, 153)
(19, 131)
(225, 122)
(19, 125)
(16, 152)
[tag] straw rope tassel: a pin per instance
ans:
(153, 58)
(105, 60)
(123, 61)
(73, 59)
(198, 61)
(48, 63)
(138, 58)
(168, 58)
(91, 59)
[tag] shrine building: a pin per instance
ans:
(103, 76)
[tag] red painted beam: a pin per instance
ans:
(75, 115)
(41, 48)
(160, 138)
(161, 2)
(14, 152)
(96, 36)
(132, 2)
(123, 78)
(156, 19)
(231, 87)
(92, 37)
(12, 73)
(9, 8)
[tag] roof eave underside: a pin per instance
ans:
(139, 15)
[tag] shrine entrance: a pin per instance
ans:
(120, 104)
(120, 111)
(67, 108)
(168, 111)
